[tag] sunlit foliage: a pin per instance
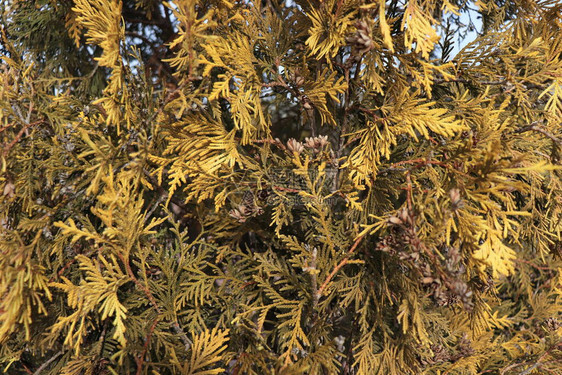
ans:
(300, 187)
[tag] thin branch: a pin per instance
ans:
(29, 113)
(19, 136)
(140, 360)
(342, 263)
(419, 162)
(49, 361)
(409, 194)
(371, 113)
(274, 84)
(102, 338)
(528, 371)
(161, 197)
(92, 72)
(287, 190)
(26, 369)
(534, 126)
(544, 268)
(6, 127)
(270, 141)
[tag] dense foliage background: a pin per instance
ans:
(300, 187)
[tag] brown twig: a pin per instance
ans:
(70, 263)
(535, 266)
(6, 127)
(342, 263)
(19, 135)
(47, 363)
(140, 360)
(271, 141)
(419, 162)
(535, 127)
(371, 113)
(409, 193)
(287, 190)
(26, 369)
(274, 84)
(64, 268)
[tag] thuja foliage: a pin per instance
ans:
(300, 187)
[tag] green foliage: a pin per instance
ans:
(306, 187)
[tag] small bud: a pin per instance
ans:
(295, 146)
(394, 220)
(9, 190)
(316, 143)
(309, 142)
(361, 40)
(456, 200)
(236, 214)
(322, 141)
(297, 79)
(427, 280)
(245, 210)
(403, 214)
